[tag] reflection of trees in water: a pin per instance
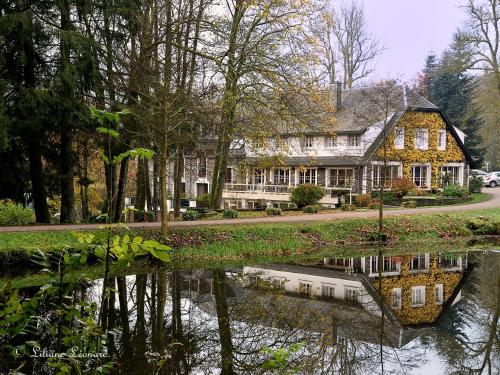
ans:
(468, 339)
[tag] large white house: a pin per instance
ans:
(419, 141)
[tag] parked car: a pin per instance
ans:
(492, 179)
(477, 173)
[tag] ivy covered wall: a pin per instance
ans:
(409, 155)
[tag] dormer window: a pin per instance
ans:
(331, 142)
(353, 140)
(421, 139)
(308, 142)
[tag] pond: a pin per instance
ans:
(419, 313)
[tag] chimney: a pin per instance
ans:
(336, 88)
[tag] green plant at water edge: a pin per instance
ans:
(190, 215)
(15, 214)
(272, 211)
(230, 214)
(455, 191)
(306, 194)
(278, 359)
(202, 200)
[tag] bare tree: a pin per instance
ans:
(347, 42)
(481, 35)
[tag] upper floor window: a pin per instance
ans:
(229, 176)
(257, 176)
(331, 142)
(280, 144)
(442, 140)
(399, 140)
(353, 140)
(418, 296)
(421, 139)
(308, 142)
(438, 294)
(202, 167)
(328, 291)
(396, 298)
(305, 287)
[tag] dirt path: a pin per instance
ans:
(494, 202)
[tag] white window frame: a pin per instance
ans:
(355, 294)
(328, 291)
(282, 180)
(414, 290)
(253, 176)
(348, 182)
(306, 287)
(442, 140)
(331, 142)
(308, 142)
(458, 178)
(353, 140)
(301, 173)
(421, 139)
(399, 138)
(396, 292)
(377, 172)
(439, 294)
(420, 180)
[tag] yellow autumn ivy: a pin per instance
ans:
(407, 314)
(409, 155)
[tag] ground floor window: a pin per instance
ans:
(281, 176)
(328, 291)
(307, 176)
(389, 264)
(257, 176)
(341, 177)
(419, 175)
(449, 175)
(418, 262)
(396, 298)
(391, 172)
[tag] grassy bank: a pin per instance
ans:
(228, 243)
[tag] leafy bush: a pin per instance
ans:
(455, 191)
(202, 200)
(306, 195)
(15, 214)
(97, 219)
(374, 203)
(348, 207)
(190, 215)
(363, 200)
(418, 193)
(271, 211)
(409, 204)
(230, 214)
(481, 225)
(475, 184)
(139, 215)
(402, 186)
(311, 209)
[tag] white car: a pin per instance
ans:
(492, 179)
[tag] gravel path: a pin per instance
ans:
(494, 202)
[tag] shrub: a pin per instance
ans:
(374, 203)
(481, 225)
(97, 219)
(475, 184)
(454, 191)
(190, 215)
(202, 200)
(139, 215)
(363, 200)
(348, 207)
(409, 204)
(311, 209)
(306, 195)
(418, 193)
(271, 211)
(230, 214)
(402, 186)
(15, 214)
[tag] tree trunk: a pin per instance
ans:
(140, 191)
(84, 181)
(119, 200)
(178, 173)
(37, 188)
(224, 323)
(67, 177)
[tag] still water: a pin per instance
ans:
(423, 313)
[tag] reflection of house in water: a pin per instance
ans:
(415, 291)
